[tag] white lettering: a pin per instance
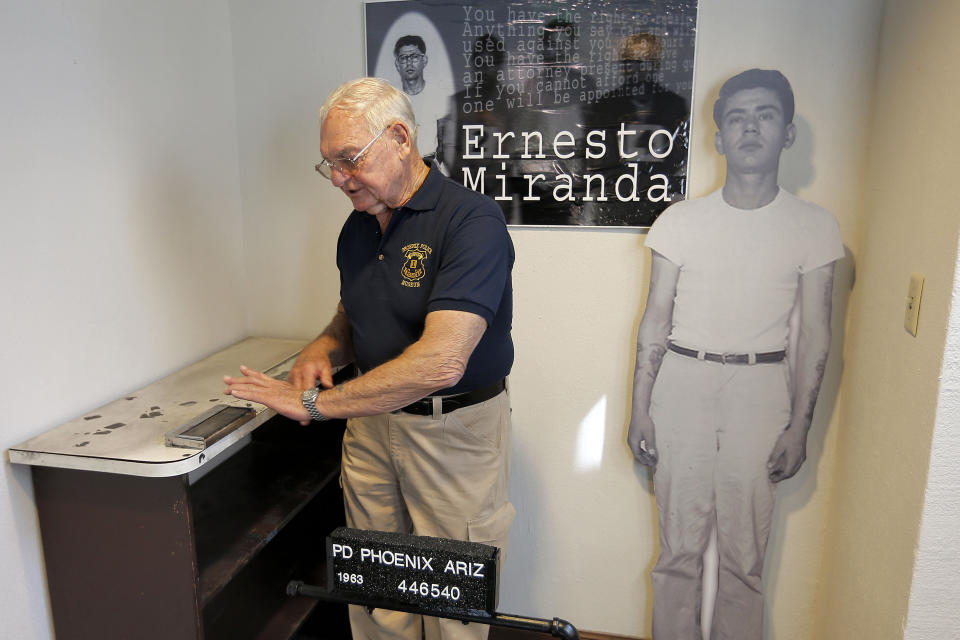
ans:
(620, 136)
(664, 187)
(531, 180)
(567, 141)
(627, 177)
(600, 145)
(590, 178)
(653, 149)
(472, 134)
(476, 183)
(396, 559)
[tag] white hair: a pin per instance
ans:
(375, 101)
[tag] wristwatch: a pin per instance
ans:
(309, 400)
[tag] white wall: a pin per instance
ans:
(892, 399)
(934, 606)
(286, 62)
(120, 249)
(578, 293)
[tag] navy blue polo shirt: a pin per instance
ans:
(447, 248)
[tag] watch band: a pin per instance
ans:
(309, 401)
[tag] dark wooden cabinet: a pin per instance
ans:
(143, 540)
(143, 558)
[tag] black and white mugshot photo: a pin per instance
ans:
(409, 53)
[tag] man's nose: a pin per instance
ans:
(338, 178)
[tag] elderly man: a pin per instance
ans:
(730, 356)
(425, 313)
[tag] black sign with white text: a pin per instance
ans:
(432, 575)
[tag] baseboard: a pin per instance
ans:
(501, 633)
(593, 635)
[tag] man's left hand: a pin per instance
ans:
(788, 454)
(279, 395)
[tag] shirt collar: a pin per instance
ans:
(428, 195)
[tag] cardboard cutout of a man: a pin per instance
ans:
(731, 353)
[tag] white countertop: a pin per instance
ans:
(127, 436)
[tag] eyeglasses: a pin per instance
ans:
(409, 57)
(346, 166)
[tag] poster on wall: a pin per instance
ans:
(565, 114)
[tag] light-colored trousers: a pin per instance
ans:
(445, 478)
(716, 425)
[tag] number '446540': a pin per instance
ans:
(429, 590)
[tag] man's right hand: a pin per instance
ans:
(641, 439)
(312, 365)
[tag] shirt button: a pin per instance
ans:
(380, 257)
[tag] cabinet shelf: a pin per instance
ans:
(290, 616)
(247, 502)
(255, 603)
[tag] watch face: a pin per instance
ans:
(309, 398)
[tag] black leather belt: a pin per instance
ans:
(730, 358)
(424, 407)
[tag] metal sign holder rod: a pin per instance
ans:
(557, 628)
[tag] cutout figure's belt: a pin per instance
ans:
(730, 358)
(424, 407)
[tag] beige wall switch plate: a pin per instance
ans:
(912, 316)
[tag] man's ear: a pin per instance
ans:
(425, 59)
(789, 135)
(400, 135)
(718, 142)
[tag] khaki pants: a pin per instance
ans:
(445, 478)
(715, 426)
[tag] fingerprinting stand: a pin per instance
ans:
(419, 574)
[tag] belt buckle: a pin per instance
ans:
(723, 357)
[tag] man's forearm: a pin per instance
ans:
(652, 339)
(654, 331)
(651, 348)
(436, 361)
(337, 339)
(812, 345)
(386, 388)
(811, 366)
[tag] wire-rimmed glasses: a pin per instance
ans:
(346, 166)
(404, 58)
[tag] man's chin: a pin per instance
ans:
(374, 209)
(360, 204)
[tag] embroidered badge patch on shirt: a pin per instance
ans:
(414, 268)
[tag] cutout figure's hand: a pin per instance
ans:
(788, 455)
(642, 440)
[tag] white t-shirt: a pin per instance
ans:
(429, 106)
(740, 268)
